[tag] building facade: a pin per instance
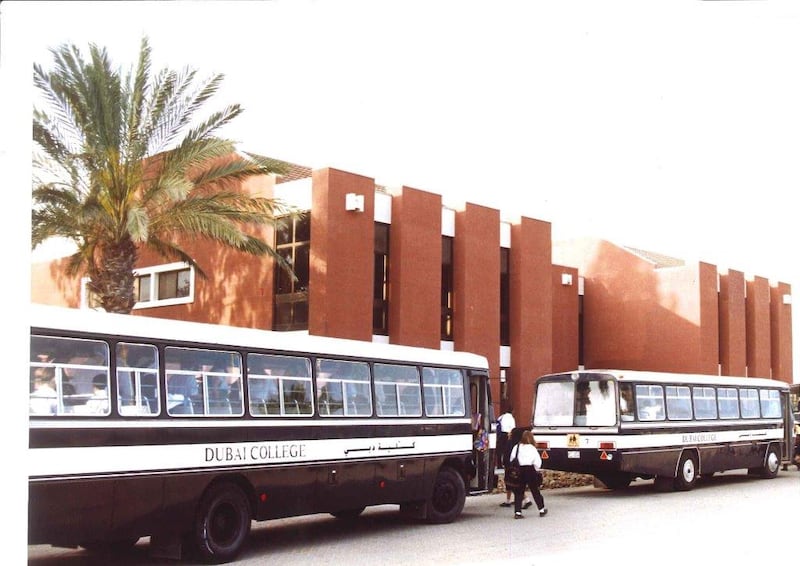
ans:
(400, 266)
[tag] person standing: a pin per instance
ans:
(505, 425)
(530, 463)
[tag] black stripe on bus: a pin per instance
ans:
(77, 436)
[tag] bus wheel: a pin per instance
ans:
(221, 525)
(615, 481)
(772, 463)
(687, 472)
(348, 514)
(448, 497)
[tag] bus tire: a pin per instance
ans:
(687, 472)
(772, 463)
(348, 514)
(221, 525)
(448, 497)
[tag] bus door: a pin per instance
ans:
(483, 444)
(788, 428)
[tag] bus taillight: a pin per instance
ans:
(608, 446)
(543, 445)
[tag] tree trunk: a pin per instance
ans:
(112, 276)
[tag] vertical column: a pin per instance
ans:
(758, 327)
(781, 331)
(531, 275)
(565, 318)
(342, 248)
(708, 362)
(732, 330)
(476, 311)
(415, 268)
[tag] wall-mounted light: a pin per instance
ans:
(566, 278)
(354, 202)
(787, 299)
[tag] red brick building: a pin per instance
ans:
(398, 266)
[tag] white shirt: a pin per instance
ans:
(528, 455)
(507, 422)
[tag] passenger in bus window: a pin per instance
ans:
(98, 403)
(626, 402)
(44, 398)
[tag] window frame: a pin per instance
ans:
(442, 393)
(203, 379)
(154, 273)
(395, 385)
(347, 385)
(650, 393)
(712, 402)
(281, 381)
(677, 398)
(725, 403)
(139, 408)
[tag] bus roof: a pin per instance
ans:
(130, 326)
(664, 377)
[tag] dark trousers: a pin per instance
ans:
(530, 479)
(501, 450)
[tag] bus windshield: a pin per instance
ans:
(590, 400)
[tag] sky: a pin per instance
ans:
(671, 126)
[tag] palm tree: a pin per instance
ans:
(123, 163)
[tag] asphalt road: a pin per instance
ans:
(729, 519)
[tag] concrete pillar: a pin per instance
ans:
(732, 328)
(415, 268)
(781, 331)
(341, 267)
(476, 275)
(531, 282)
(759, 357)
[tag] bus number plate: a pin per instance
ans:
(573, 454)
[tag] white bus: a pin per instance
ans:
(186, 432)
(618, 425)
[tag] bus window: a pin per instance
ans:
(279, 385)
(595, 402)
(650, 402)
(626, 412)
(554, 403)
(66, 373)
(728, 402)
(444, 392)
(770, 403)
(203, 382)
(137, 379)
(705, 402)
(397, 391)
(679, 403)
(343, 388)
(748, 401)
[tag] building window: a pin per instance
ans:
(505, 299)
(380, 292)
(447, 288)
(163, 285)
(293, 243)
